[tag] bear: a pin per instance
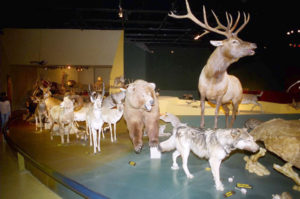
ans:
(141, 111)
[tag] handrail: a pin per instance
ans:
(63, 180)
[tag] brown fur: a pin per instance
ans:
(138, 116)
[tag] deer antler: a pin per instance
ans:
(228, 30)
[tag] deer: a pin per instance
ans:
(94, 121)
(63, 115)
(215, 84)
(111, 116)
(40, 112)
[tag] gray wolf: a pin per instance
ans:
(213, 145)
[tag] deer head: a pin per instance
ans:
(233, 47)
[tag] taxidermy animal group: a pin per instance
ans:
(214, 145)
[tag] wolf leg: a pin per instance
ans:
(174, 156)
(215, 169)
(185, 155)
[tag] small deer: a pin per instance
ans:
(214, 82)
(94, 121)
(111, 116)
(40, 112)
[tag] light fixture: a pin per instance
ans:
(69, 67)
(120, 10)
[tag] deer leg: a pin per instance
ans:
(111, 133)
(202, 104)
(36, 122)
(226, 109)
(99, 138)
(41, 122)
(115, 130)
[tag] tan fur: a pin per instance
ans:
(137, 113)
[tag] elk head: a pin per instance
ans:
(232, 47)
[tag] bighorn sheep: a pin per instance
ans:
(214, 82)
(94, 121)
(62, 114)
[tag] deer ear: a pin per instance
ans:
(216, 43)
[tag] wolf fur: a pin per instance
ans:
(214, 145)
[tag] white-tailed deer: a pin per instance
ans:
(214, 82)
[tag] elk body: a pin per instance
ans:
(215, 84)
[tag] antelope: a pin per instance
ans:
(94, 121)
(112, 116)
(63, 115)
(214, 82)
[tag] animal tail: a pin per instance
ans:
(168, 145)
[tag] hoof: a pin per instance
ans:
(175, 167)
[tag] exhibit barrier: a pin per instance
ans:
(62, 185)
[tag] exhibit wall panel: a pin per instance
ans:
(79, 47)
(134, 62)
(176, 68)
(61, 46)
(118, 65)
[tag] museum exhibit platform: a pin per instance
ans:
(72, 170)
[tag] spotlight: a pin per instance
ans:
(120, 11)
(69, 67)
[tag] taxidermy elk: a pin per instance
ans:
(214, 82)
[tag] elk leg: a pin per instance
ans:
(234, 111)
(202, 104)
(217, 113)
(226, 109)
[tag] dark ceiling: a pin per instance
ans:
(147, 21)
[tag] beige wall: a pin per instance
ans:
(61, 47)
(18, 47)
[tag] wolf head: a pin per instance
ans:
(243, 140)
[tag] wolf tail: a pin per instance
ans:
(168, 145)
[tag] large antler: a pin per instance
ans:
(220, 28)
